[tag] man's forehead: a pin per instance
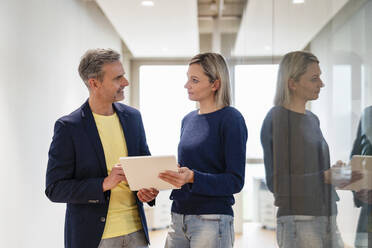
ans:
(114, 66)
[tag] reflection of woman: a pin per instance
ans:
(211, 154)
(296, 156)
(363, 199)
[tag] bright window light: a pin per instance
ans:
(298, 1)
(254, 95)
(163, 104)
(147, 3)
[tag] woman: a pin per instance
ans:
(211, 156)
(296, 157)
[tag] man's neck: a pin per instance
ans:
(100, 107)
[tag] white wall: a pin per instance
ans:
(344, 50)
(41, 43)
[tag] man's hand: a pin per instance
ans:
(178, 179)
(146, 195)
(364, 195)
(116, 176)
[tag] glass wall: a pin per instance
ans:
(303, 145)
(343, 49)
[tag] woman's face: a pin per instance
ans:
(308, 86)
(198, 86)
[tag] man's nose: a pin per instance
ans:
(124, 82)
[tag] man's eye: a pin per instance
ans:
(314, 79)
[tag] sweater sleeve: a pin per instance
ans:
(234, 135)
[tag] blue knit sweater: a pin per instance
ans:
(213, 145)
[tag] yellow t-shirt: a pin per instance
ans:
(122, 217)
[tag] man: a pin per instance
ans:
(363, 199)
(82, 168)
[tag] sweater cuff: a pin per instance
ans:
(198, 178)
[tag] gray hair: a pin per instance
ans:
(292, 66)
(215, 68)
(92, 61)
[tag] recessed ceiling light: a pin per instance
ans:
(147, 3)
(298, 1)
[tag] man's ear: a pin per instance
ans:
(216, 85)
(93, 83)
(292, 84)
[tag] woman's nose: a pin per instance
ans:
(321, 84)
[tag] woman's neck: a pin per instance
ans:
(208, 107)
(296, 105)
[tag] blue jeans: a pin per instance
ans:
(299, 231)
(132, 240)
(201, 231)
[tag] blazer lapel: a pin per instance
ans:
(124, 121)
(92, 132)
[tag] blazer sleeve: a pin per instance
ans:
(357, 150)
(61, 185)
(144, 149)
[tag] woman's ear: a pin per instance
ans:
(292, 84)
(216, 85)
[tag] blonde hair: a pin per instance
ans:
(292, 66)
(215, 68)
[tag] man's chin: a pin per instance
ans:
(119, 98)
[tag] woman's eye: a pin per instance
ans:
(195, 80)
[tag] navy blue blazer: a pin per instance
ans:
(77, 168)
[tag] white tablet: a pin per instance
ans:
(142, 172)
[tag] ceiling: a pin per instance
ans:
(227, 13)
(176, 28)
(269, 29)
(167, 29)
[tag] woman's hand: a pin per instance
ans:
(178, 179)
(146, 195)
(340, 175)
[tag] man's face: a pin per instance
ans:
(111, 88)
